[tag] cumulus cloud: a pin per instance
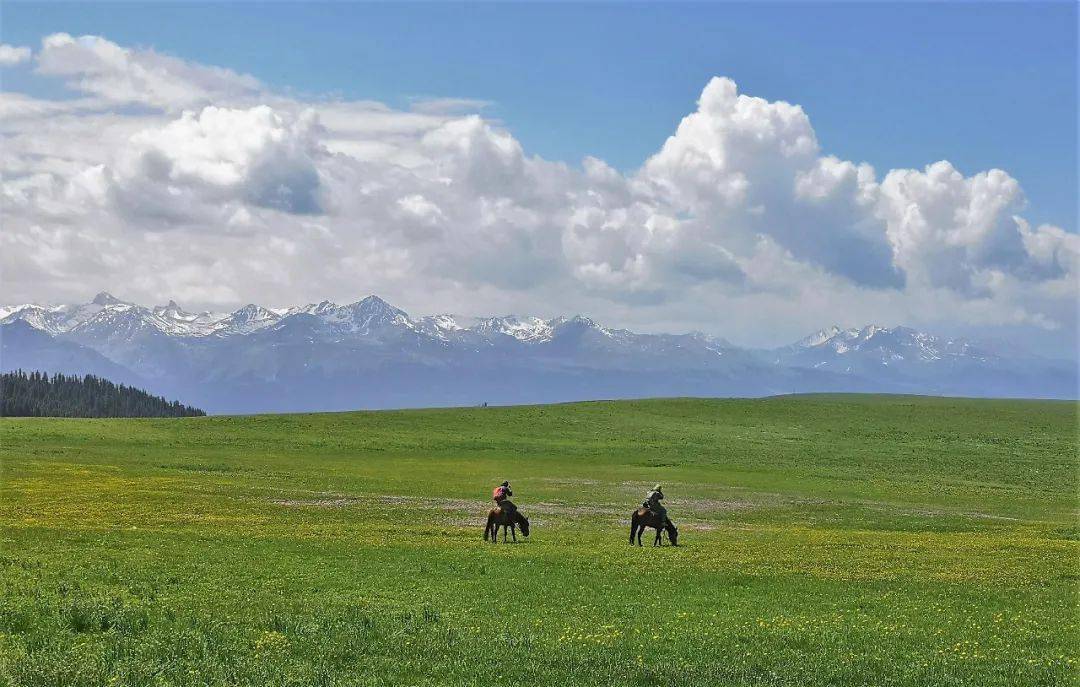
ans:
(753, 168)
(99, 67)
(944, 228)
(177, 179)
(11, 55)
(254, 156)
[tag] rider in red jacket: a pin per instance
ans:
(501, 496)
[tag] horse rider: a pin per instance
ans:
(652, 502)
(501, 495)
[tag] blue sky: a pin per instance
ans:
(982, 85)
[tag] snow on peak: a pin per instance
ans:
(323, 308)
(527, 329)
(447, 322)
(363, 317)
(173, 311)
(6, 310)
(369, 314)
(439, 326)
(178, 322)
(889, 344)
(819, 338)
(109, 317)
(47, 319)
(247, 319)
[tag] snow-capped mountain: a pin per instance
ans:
(441, 327)
(182, 323)
(326, 356)
(846, 348)
(527, 329)
(368, 316)
(247, 319)
(109, 316)
(906, 360)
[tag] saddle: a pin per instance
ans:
(646, 506)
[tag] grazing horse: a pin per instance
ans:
(642, 518)
(507, 519)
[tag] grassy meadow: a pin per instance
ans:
(825, 540)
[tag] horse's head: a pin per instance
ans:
(673, 533)
(524, 522)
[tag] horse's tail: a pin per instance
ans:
(633, 526)
(487, 527)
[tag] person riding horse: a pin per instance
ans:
(652, 502)
(505, 515)
(501, 496)
(653, 514)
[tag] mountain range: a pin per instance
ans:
(370, 354)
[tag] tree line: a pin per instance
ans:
(37, 394)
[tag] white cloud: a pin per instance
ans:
(181, 180)
(255, 156)
(946, 228)
(99, 67)
(747, 167)
(11, 55)
(448, 106)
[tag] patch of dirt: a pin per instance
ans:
(714, 505)
(696, 526)
(316, 503)
(466, 522)
(575, 510)
(549, 508)
(572, 482)
(935, 513)
(433, 504)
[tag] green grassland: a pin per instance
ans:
(828, 540)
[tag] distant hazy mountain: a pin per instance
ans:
(903, 359)
(24, 347)
(369, 354)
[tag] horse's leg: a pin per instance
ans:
(657, 541)
(513, 532)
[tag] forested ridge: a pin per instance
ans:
(38, 394)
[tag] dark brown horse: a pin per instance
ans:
(642, 518)
(508, 520)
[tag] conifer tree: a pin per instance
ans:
(36, 394)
